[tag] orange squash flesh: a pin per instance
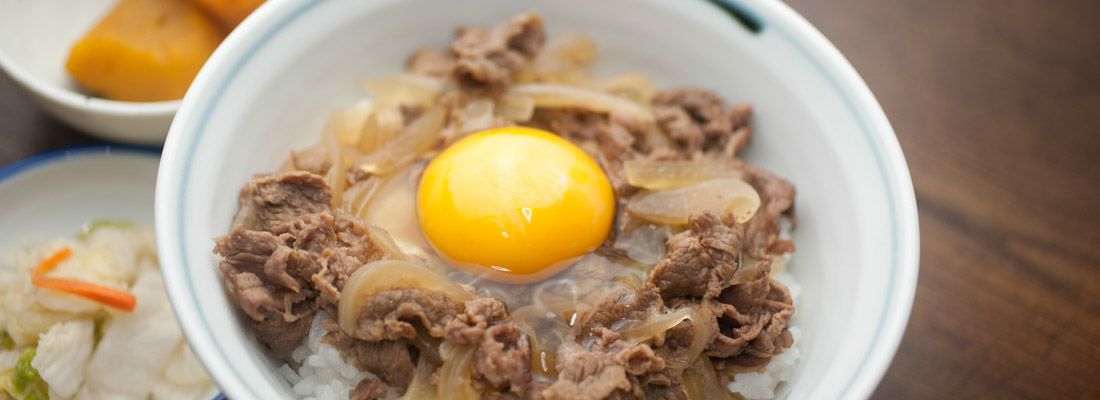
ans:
(144, 50)
(229, 12)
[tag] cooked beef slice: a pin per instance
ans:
(700, 261)
(504, 358)
(431, 62)
(290, 255)
(503, 352)
(256, 268)
(392, 361)
(486, 59)
(468, 327)
(753, 326)
(698, 121)
(396, 314)
(776, 200)
(281, 335)
(675, 349)
(370, 388)
(608, 368)
(620, 306)
(276, 199)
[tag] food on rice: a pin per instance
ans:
(496, 222)
(88, 318)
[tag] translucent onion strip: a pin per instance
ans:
(549, 95)
(716, 196)
(411, 89)
(455, 377)
(421, 387)
(515, 107)
(670, 174)
(419, 137)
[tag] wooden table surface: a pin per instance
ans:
(997, 106)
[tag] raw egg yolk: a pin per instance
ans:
(514, 204)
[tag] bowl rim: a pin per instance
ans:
(795, 29)
(73, 99)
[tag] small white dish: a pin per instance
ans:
(53, 194)
(267, 89)
(35, 38)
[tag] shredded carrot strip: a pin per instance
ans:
(53, 261)
(101, 294)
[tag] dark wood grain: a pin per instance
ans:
(997, 106)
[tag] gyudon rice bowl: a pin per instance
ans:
(498, 222)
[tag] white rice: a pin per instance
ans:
(323, 374)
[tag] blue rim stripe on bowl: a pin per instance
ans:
(862, 119)
(49, 156)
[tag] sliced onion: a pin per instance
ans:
(410, 89)
(359, 195)
(701, 382)
(717, 196)
(655, 326)
(455, 378)
(674, 173)
(336, 177)
(380, 127)
(565, 59)
(658, 325)
(632, 85)
(347, 123)
(515, 107)
(379, 276)
(571, 48)
(421, 387)
(549, 95)
(384, 242)
(546, 330)
(477, 115)
(393, 209)
(644, 244)
(419, 137)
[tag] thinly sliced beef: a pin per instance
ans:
(608, 368)
(392, 361)
(700, 261)
(504, 358)
(369, 388)
(777, 200)
(486, 59)
(276, 199)
(396, 315)
(620, 307)
(468, 327)
(698, 121)
(289, 255)
(753, 327)
(431, 62)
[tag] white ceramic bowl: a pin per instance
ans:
(267, 89)
(35, 38)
